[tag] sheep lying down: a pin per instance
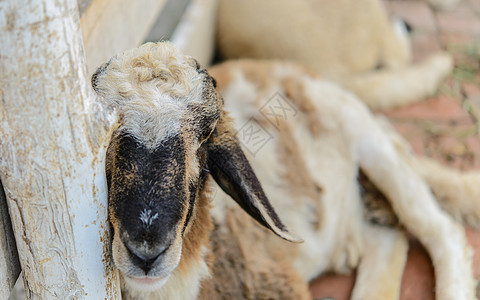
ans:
(320, 169)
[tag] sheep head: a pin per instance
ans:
(173, 134)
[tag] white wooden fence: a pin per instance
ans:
(53, 136)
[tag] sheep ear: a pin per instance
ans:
(232, 171)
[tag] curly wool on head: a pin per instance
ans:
(152, 82)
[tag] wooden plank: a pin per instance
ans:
(52, 154)
(82, 5)
(167, 20)
(9, 264)
(195, 34)
(112, 26)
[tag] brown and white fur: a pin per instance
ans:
(349, 41)
(313, 160)
(172, 241)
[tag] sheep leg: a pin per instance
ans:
(398, 87)
(458, 192)
(417, 209)
(408, 193)
(379, 274)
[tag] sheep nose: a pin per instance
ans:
(143, 259)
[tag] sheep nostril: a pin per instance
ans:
(144, 260)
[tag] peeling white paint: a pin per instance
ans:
(54, 139)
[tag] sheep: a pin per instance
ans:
(349, 41)
(318, 154)
(176, 236)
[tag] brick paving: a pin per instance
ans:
(444, 127)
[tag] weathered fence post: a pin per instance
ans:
(53, 137)
(9, 264)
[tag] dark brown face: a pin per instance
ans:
(148, 194)
(174, 134)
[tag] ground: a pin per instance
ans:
(445, 127)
